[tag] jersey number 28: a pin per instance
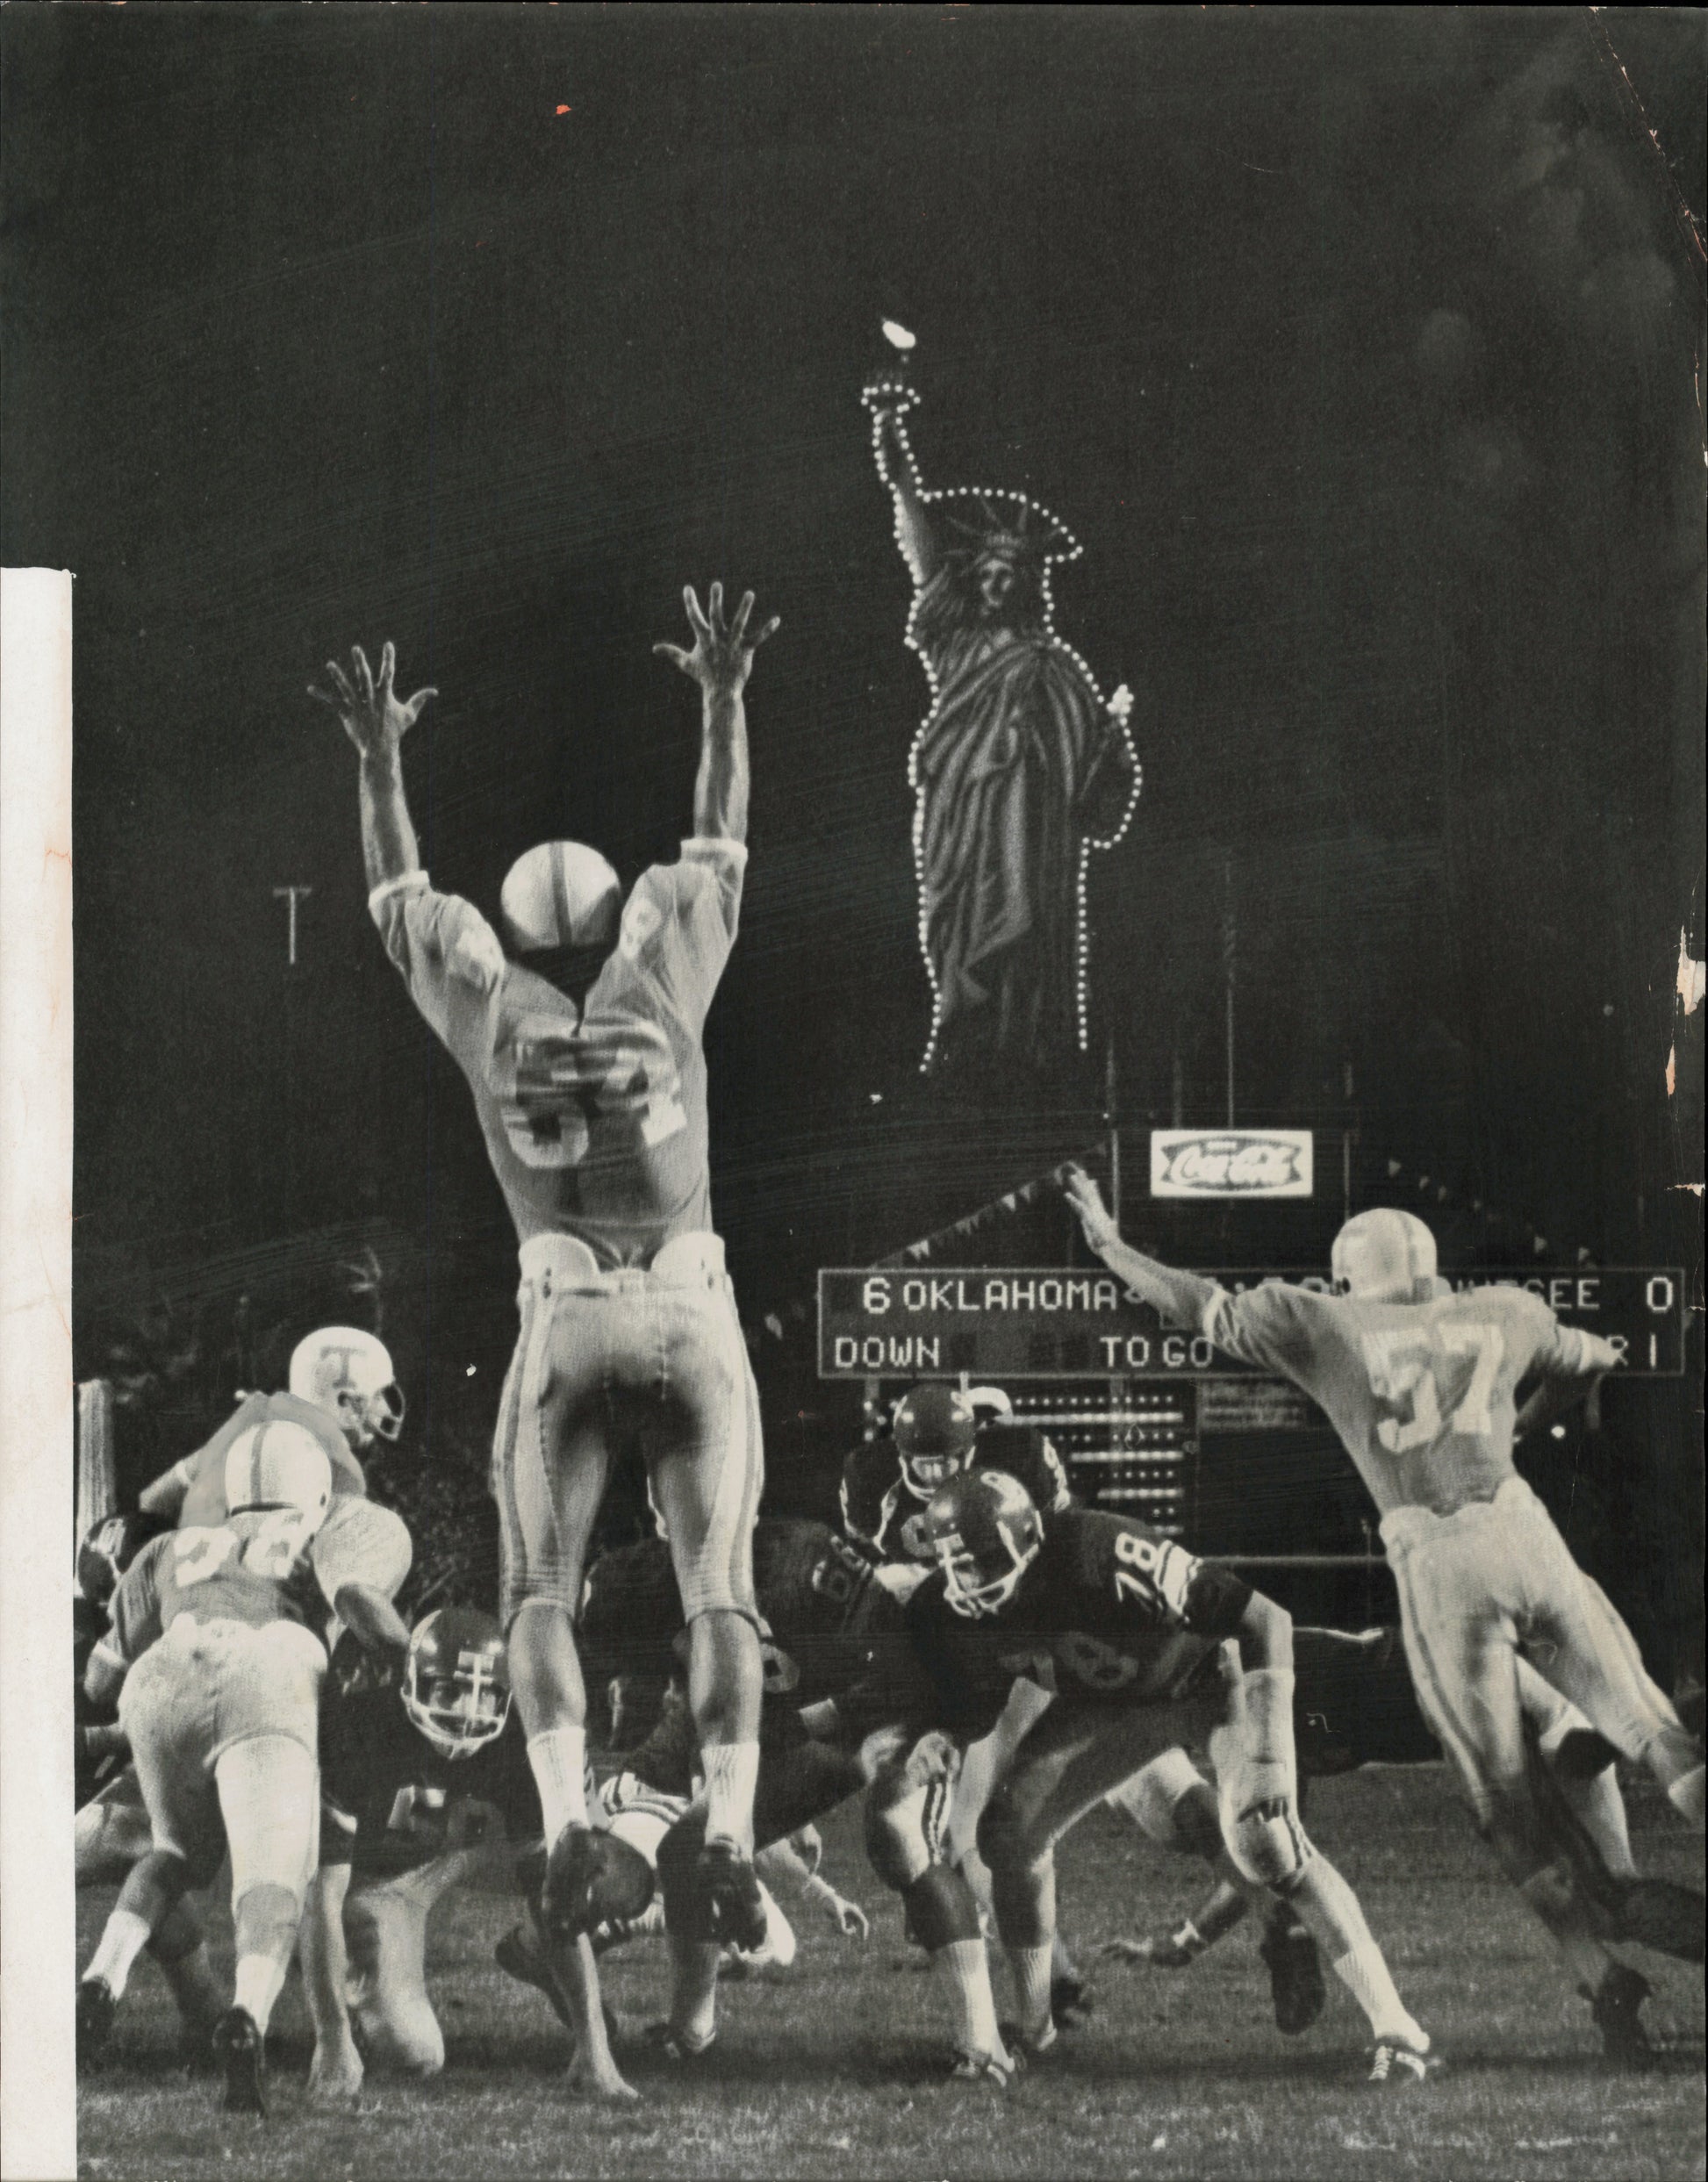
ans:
(1409, 1371)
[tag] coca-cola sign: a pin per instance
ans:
(1231, 1163)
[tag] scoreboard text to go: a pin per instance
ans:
(1031, 1323)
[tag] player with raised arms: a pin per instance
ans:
(583, 1049)
(1421, 1385)
(217, 1639)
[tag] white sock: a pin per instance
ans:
(966, 1970)
(1030, 1970)
(1685, 1796)
(1331, 1911)
(260, 1978)
(1599, 1809)
(732, 1774)
(123, 1941)
(694, 1992)
(559, 1760)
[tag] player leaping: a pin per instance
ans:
(1420, 1384)
(583, 1050)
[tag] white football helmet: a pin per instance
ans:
(1385, 1257)
(348, 1372)
(279, 1465)
(561, 894)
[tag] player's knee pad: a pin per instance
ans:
(895, 1824)
(269, 1799)
(941, 1908)
(1160, 1802)
(1267, 1844)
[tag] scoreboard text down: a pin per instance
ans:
(1005, 1322)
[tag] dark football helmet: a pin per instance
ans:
(934, 1429)
(456, 1680)
(984, 1532)
(108, 1548)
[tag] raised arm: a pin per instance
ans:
(1568, 1376)
(377, 720)
(896, 466)
(1181, 1298)
(721, 662)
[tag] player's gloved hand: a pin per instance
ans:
(1121, 705)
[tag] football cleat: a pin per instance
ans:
(1659, 1914)
(1396, 2066)
(593, 1879)
(1616, 2007)
(1070, 2004)
(735, 1902)
(997, 2069)
(242, 2050)
(96, 2011)
(1295, 1978)
(666, 2043)
(1027, 2045)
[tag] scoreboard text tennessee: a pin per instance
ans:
(1005, 1322)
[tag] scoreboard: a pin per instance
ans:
(1006, 1323)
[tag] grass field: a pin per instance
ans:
(837, 2072)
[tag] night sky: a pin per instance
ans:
(1357, 348)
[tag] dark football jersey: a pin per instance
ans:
(879, 1505)
(822, 1610)
(1109, 1612)
(594, 1115)
(371, 1751)
(204, 1502)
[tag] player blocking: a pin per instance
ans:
(583, 1049)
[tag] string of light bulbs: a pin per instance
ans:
(894, 399)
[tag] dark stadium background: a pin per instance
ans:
(1357, 348)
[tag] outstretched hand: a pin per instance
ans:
(1121, 705)
(372, 714)
(1088, 1202)
(723, 657)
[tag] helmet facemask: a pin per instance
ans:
(971, 1592)
(458, 1713)
(925, 1475)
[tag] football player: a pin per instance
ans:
(831, 1625)
(584, 1052)
(112, 1830)
(1421, 1385)
(342, 1388)
(1354, 1705)
(1147, 1648)
(216, 1655)
(935, 1434)
(425, 1786)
